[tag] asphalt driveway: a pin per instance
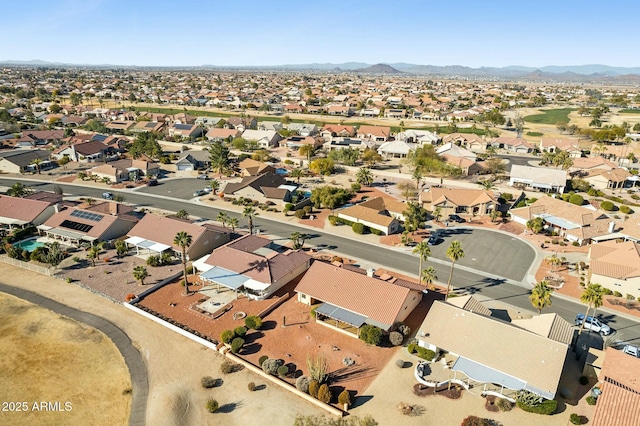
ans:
(182, 188)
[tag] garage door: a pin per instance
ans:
(185, 167)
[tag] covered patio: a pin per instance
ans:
(65, 235)
(147, 246)
(343, 319)
(228, 279)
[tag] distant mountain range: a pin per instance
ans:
(551, 72)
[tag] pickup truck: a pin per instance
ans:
(593, 324)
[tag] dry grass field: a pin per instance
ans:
(45, 357)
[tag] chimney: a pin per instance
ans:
(612, 226)
(113, 208)
(370, 272)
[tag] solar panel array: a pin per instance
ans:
(150, 125)
(76, 226)
(182, 126)
(87, 215)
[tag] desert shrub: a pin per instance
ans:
(212, 406)
(396, 338)
(400, 363)
(358, 228)
(424, 353)
(584, 380)
(575, 244)
(617, 294)
(404, 329)
(271, 366)
(153, 260)
(313, 312)
(356, 187)
(189, 269)
(208, 382)
(412, 347)
(253, 322)
(344, 398)
(251, 386)
(475, 421)
(240, 331)
(227, 336)
(302, 384)
(547, 406)
(308, 209)
(314, 386)
(283, 370)
(324, 393)
(591, 400)
(607, 206)
(625, 209)
(375, 231)
(228, 367)
(504, 404)
(607, 291)
(237, 344)
(334, 220)
(371, 334)
(262, 359)
(576, 199)
(300, 214)
(575, 419)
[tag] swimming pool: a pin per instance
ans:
(29, 245)
(282, 172)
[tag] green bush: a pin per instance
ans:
(324, 393)
(237, 344)
(253, 322)
(313, 312)
(375, 231)
(411, 347)
(576, 199)
(283, 370)
(607, 206)
(300, 214)
(251, 386)
(575, 244)
(547, 407)
(356, 187)
(313, 388)
(153, 260)
(625, 209)
(504, 404)
(344, 398)
(371, 334)
(424, 353)
(607, 291)
(262, 359)
(334, 220)
(189, 269)
(227, 336)
(358, 228)
(271, 366)
(575, 419)
(617, 294)
(212, 406)
(208, 382)
(591, 400)
(240, 331)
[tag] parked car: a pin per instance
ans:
(207, 190)
(199, 193)
(434, 240)
(456, 218)
(152, 182)
(631, 350)
(593, 324)
(107, 195)
(203, 177)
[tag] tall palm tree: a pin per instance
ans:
(429, 275)
(18, 190)
(249, 212)
(233, 222)
(454, 252)
(423, 251)
(297, 173)
(364, 176)
(307, 151)
(592, 296)
(540, 296)
(417, 176)
(487, 184)
(222, 218)
(214, 184)
(554, 261)
(183, 240)
(140, 273)
(36, 162)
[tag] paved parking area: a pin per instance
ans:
(182, 188)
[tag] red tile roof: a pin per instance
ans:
(619, 404)
(23, 209)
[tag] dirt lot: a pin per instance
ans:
(47, 357)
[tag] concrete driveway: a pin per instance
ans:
(182, 188)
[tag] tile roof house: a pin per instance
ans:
(467, 167)
(193, 160)
(19, 161)
(126, 170)
(575, 223)
(608, 179)
(251, 167)
(82, 152)
(340, 130)
(464, 202)
(543, 179)
(254, 265)
(295, 142)
(383, 214)
(155, 233)
(616, 266)
(619, 402)
(396, 149)
(348, 299)
(32, 138)
(450, 148)
(490, 351)
(263, 188)
(264, 138)
(185, 131)
(22, 212)
(513, 144)
(551, 144)
(102, 221)
(375, 133)
(221, 135)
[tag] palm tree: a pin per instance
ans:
(233, 222)
(297, 173)
(140, 273)
(307, 151)
(540, 296)
(487, 184)
(18, 190)
(297, 240)
(121, 248)
(249, 212)
(36, 162)
(437, 212)
(183, 240)
(429, 275)
(592, 297)
(423, 251)
(214, 184)
(454, 252)
(93, 254)
(364, 176)
(554, 261)
(222, 218)
(417, 176)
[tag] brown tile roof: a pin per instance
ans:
(257, 182)
(217, 133)
(23, 209)
(98, 228)
(551, 326)
(339, 128)
(162, 229)
(366, 214)
(378, 131)
(376, 299)
(49, 197)
(458, 197)
(619, 403)
(471, 304)
(615, 260)
(382, 203)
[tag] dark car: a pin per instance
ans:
(152, 182)
(434, 240)
(456, 218)
(203, 177)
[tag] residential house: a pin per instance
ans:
(23, 212)
(193, 160)
(148, 126)
(383, 214)
(575, 223)
(609, 179)
(616, 266)
(295, 142)
(263, 188)
(396, 149)
(467, 167)
(155, 234)
(347, 300)
(464, 202)
(588, 166)
(619, 402)
(264, 138)
(251, 167)
(32, 138)
(233, 266)
(241, 123)
(552, 144)
(512, 144)
(103, 221)
(341, 143)
(370, 112)
(84, 152)
(394, 113)
(542, 179)
(343, 110)
(469, 140)
(374, 133)
(337, 130)
(127, 169)
(222, 135)
(303, 129)
(20, 161)
(119, 126)
(270, 125)
(293, 108)
(419, 137)
(488, 352)
(209, 122)
(185, 131)
(453, 150)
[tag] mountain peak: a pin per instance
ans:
(379, 69)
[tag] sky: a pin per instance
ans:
(472, 33)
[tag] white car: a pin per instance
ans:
(593, 324)
(199, 193)
(631, 350)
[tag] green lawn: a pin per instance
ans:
(630, 111)
(550, 116)
(535, 134)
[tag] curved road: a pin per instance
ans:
(133, 359)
